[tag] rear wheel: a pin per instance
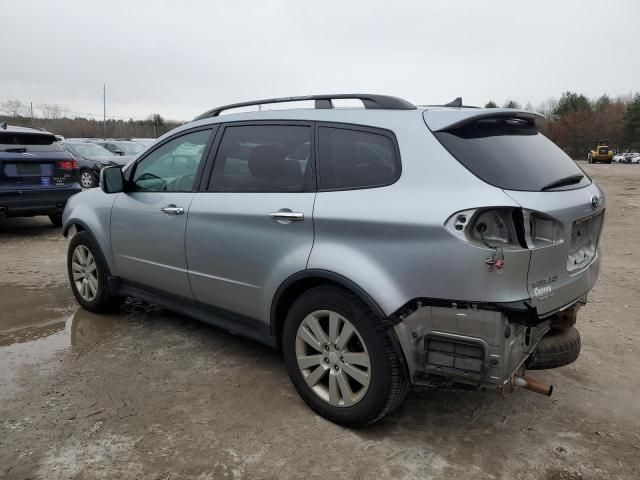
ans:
(88, 179)
(341, 359)
(88, 275)
(56, 219)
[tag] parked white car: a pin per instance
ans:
(627, 157)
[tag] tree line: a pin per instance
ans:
(57, 119)
(575, 122)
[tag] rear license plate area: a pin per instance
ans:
(584, 242)
(28, 169)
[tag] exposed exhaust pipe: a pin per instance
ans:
(532, 384)
(3, 211)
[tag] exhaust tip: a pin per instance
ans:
(532, 384)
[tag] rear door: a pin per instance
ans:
(148, 221)
(561, 273)
(253, 228)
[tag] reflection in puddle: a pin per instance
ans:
(37, 323)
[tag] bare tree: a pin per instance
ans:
(547, 107)
(13, 108)
(52, 111)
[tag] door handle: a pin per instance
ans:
(172, 210)
(290, 216)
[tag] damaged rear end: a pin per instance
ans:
(553, 230)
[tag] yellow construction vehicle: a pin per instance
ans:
(602, 153)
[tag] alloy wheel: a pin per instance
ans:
(333, 358)
(85, 273)
(86, 179)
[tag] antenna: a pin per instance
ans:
(454, 103)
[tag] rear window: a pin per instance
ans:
(512, 154)
(351, 159)
(29, 142)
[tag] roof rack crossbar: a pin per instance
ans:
(323, 102)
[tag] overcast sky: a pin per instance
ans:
(180, 58)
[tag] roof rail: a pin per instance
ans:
(323, 102)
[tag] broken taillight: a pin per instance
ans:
(505, 227)
(67, 164)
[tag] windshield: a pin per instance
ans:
(91, 150)
(130, 148)
(512, 154)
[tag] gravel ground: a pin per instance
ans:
(150, 394)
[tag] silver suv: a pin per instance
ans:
(380, 248)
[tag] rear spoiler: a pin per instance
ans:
(439, 120)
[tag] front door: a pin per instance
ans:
(253, 228)
(148, 221)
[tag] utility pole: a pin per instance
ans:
(32, 114)
(104, 111)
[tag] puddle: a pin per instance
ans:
(36, 323)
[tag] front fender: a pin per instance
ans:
(91, 211)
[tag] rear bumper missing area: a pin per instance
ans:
(465, 345)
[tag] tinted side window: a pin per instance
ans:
(355, 159)
(173, 166)
(263, 158)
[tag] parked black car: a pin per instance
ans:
(91, 159)
(37, 175)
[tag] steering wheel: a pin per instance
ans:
(182, 184)
(151, 176)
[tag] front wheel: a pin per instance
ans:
(341, 358)
(88, 275)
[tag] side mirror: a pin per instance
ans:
(119, 152)
(111, 180)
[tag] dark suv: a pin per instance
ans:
(37, 176)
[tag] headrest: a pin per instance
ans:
(267, 162)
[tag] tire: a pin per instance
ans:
(386, 376)
(100, 300)
(556, 349)
(88, 179)
(56, 219)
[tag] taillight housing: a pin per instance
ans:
(506, 227)
(67, 164)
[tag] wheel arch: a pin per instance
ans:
(104, 246)
(300, 282)
(79, 225)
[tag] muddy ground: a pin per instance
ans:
(150, 394)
